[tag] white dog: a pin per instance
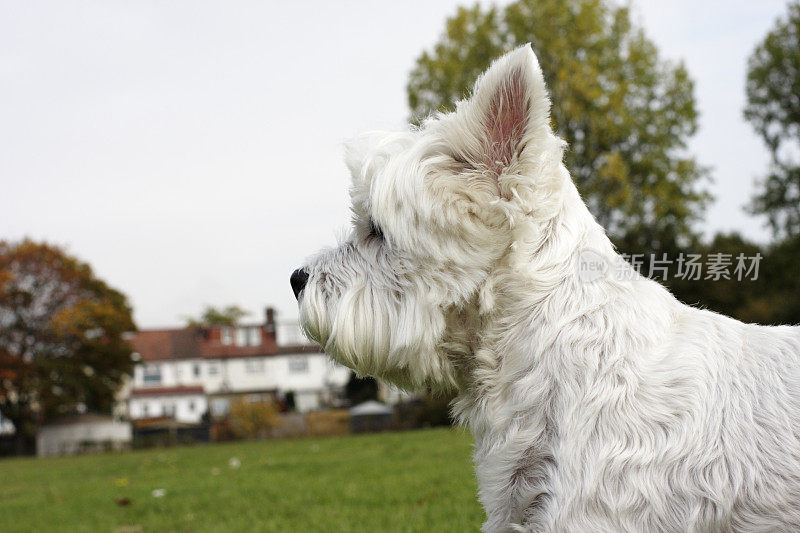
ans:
(595, 406)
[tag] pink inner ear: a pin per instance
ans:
(505, 122)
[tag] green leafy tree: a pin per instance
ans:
(62, 337)
(770, 297)
(736, 294)
(780, 270)
(211, 316)
(626, 113)
(773, 108)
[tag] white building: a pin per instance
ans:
(6, 427)
(82, 433)
(184, 373)
(183, 403)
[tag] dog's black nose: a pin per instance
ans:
(298, 280)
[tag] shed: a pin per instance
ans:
(371, 416)
(82, 434)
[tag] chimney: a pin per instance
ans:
(269, 323)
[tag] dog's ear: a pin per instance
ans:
(508, 109)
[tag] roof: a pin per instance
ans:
(299, 348)
(197, 343)
(157, 344)
(159, 422)
(85, 418)
(370, 407)
(168, 391)
(205, 342)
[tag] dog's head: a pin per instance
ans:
(434, 210)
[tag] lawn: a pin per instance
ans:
(411, 481)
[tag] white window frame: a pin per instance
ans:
(242, 337)
(254, 365)
(298, 365)
(226, 336)
(151, 374)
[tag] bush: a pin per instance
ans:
(249, 420)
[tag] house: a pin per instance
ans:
(185, 373)
(182, 402)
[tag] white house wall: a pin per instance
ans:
(279, 372)
(187, 408)
(311, 374)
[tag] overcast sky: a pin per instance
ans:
(191, 151)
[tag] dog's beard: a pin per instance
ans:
(353, 326)
(375, 334)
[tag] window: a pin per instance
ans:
(191, 406)
(152, 374)
(219, 406)
(213, 369)
(298, 365)
(196, 370)
(241, 337)
(144, 410)
(226, 336)
(254, 366)
(255, 336)
(169, 409)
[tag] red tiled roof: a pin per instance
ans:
(158, 344)
(299, 348)
(222, 351)
(197, 343)
(168, 391)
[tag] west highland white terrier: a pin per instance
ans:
(596, 405)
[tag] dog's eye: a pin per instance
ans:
(375, 230)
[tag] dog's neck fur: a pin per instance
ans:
(523, 372)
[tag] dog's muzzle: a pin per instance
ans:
(298, 279)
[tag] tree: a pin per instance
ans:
(626, 114)
(780, 269)
(211, 316)
(62, 337)
(745, 299)
(773, 109)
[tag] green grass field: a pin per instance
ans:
(411, 481)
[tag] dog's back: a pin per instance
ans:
(752, 422)
(709, 437)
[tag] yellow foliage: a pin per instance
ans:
(252, 419)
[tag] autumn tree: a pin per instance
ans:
(62, 337)
(626, 113)
(773, 108)
(212, 316)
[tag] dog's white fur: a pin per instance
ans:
(602, 406)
